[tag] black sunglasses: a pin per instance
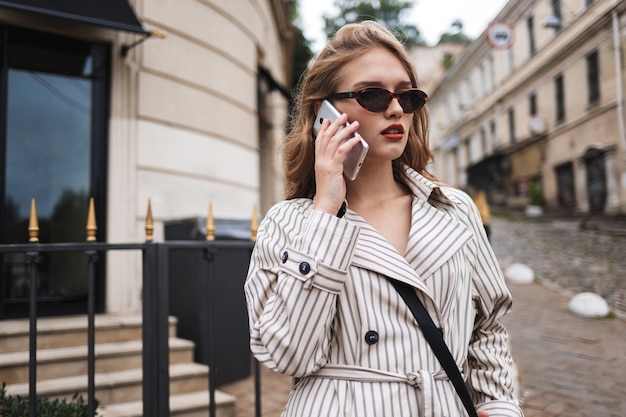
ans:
(376, 99)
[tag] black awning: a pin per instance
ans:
(115, 14)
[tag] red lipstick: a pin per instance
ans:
(394, 132)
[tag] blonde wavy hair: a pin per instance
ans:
(319, 83)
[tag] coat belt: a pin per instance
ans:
(422, 379)
(357, 373)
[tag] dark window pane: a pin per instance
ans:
(560, 98)
(593, 77)
(532, 100)
(511, 124)
(530, 24)
(48, 140)
(48, 151)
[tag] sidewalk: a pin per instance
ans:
(568, 365)
(274, 391)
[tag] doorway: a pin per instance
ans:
(596, 179)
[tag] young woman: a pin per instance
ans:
(321, 303)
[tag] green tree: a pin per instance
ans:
(390, 13)
(302, 53)
(455, 35)
(448, 37)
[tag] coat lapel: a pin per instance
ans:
(435, 236)
(374, 253)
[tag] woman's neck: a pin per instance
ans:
(373, 185)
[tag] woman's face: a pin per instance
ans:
(386, 132)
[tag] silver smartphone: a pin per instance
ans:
(354, 160)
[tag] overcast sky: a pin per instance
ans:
(432, 17)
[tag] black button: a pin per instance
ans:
(342, 210)
(305, 268)
(285, 256)
(371, 337)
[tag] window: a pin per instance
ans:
(556, 8)
(483, 141)
(593, 78)
(470, 94)
(511, 125)
(53, 129)
(458, 93)
(556, 12)
(491, 73)
(560, 98)
(482, 88)
(530, 23)
(532, 102)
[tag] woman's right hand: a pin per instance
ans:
(330, 152)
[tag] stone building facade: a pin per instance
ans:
(533, 110)
(96, 103)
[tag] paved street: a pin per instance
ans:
(568, 365)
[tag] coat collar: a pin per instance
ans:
(434, 237)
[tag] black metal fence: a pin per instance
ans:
(155, 311)
(156, 275)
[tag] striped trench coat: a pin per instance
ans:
(321, 308)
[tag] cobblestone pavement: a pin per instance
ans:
(568, 365)
(570, 253)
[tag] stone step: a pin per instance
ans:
(55, 332)
(72, 361)
(118, 387)
(195, 404)
(62, 365)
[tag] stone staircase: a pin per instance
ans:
(62, 365)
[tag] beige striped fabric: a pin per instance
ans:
(321, 308)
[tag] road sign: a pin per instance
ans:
(500, 35)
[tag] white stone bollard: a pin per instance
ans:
(519, 274)
(588, 304)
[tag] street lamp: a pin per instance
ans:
(552, 22)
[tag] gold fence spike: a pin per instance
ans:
(210, 224)
(33, 224)
(149, 224)
(254, 224)
(91, 222)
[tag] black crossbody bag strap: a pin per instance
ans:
(435, 340)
